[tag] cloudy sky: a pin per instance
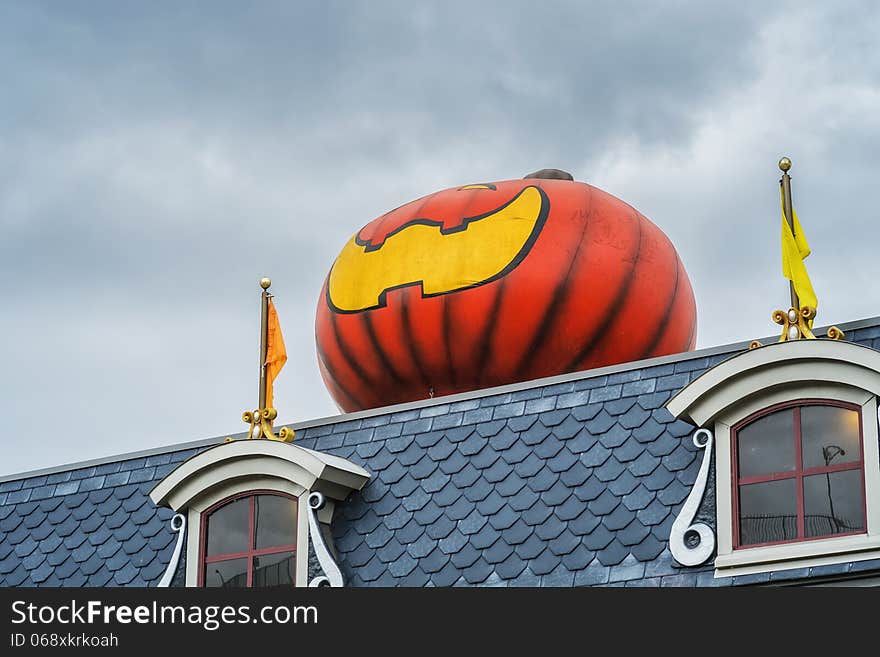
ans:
(157, 159)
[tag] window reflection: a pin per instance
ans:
(799, 474)
(250, 541)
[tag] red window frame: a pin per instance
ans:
(798, 473)
(247, 554)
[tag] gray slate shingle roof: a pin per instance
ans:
(573, 483)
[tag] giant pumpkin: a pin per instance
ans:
(488, 284)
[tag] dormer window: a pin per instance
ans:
(799, 473)
(797, 454)
(249, 540)
(252, 509)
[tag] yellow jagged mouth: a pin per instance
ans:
(421, 252)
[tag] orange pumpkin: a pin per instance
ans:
(489, 284)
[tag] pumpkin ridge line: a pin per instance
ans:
(663, 325)
(614, 309)
(560, 292)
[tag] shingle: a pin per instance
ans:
(373, 569)
(563, 460)
(455, 462)
(440, 528)
(606, 393)
(570, 509)
(511, 567)
(628, 569)
(497, 471)
(541, 404)
(466, 477)
(536, 514)
(612, 554)
(597, 539)
(544, 563)
(491, 505)
(429, 439)
(472, 523)
(510, 485)
(517, 533)
(649, 430)
(638, 499)
(453, 542)
(564, 543)
(484, 538)
(390, 552)
(576, 475)
(529, 466)
(512, 409)
(634, 533)
(609, 470)
(524, 499)
(402, 566)
(672, 382)
(503, 439)
(548, 448)
(674, 493)
(435, 482)
(466, 556)
(624, 484)
(556, 494)
(393, 473)
(644, 465)
(679, 459)
(630, 450)
(478, 491)
(660, 478)
(488, 429)
(415, 500)
(522, 423)
(459, 434)
(472, 444)
(497, 552)
(459, 509)
(368, 449)
(477, 572)
(428, 514)
(423, 468)
(578, 559)
(654, 513)
(648, 548)
(484, 458)
(477, 416)
(542, 480)
(535, 435)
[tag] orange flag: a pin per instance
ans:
(276, 353)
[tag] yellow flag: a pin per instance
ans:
(794, 250)
(276, 353)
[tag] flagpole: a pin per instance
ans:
(784, 166)
(264, 338)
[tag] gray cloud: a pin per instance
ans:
(157, 160)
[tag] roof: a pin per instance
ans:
(567, 481)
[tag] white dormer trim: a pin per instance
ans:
(763, 377)
(785, 364)
(242, 465)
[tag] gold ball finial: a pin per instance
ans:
(784, 164)
(265, 282)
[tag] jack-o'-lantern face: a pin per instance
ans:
(488, 284)
(441, 254)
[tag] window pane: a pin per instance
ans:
(767, 512)
(834, 503)
(228, 528)
(229, 574)
(767, 444)
(274, 569)
(830, 435)
(275, 521)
